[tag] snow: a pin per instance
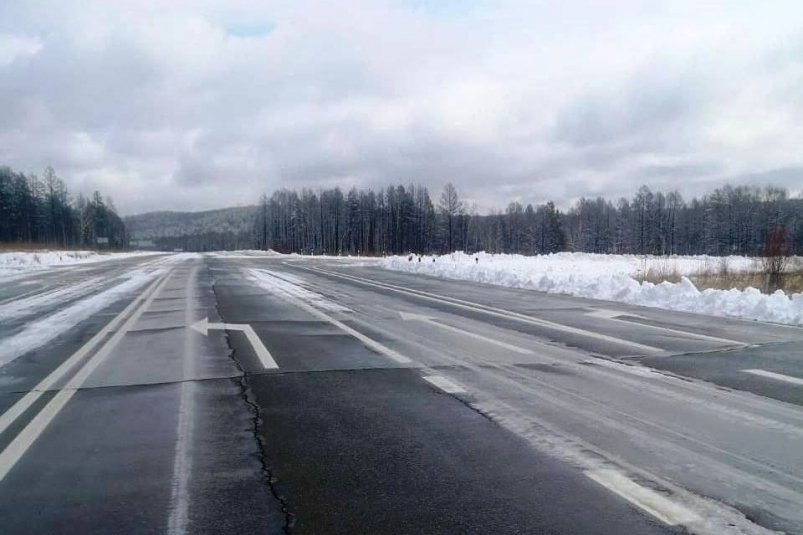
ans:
(177, 258)
(27, 306)
(258, 253)
(286, 285)
(13, 263)
(242, 253)
(611, 278)
(38, 333)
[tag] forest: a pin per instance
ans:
(41, 212)
(407, 220)
(401, 220)
(208, 230)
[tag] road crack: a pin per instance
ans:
(248, 397)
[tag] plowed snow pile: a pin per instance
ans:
(611, 277)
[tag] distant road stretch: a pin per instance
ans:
(246, 394)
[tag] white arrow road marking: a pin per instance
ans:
(613, 315)
(262, 352)
(659, 506)
(408, 316)
(444, 384)
(776, 376)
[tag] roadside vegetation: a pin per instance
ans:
(720, 275)
(37, 212)
(775, 269)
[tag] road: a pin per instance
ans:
(250, 394)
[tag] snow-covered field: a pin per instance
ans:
(613, 278)
(12, 263)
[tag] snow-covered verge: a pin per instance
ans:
(611, 277)
(257, 253)
(12, 263)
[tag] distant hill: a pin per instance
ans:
(225, 228)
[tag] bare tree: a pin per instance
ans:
(450, 206)
(776, 257)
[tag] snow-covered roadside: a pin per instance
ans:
(38, 333)
(270, 253)
(13, 263)
(610, 277)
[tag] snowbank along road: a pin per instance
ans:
(195, 394)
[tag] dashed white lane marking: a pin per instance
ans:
(492, 311)
(373, 344)
(407, 316)
(652, 502)
(776, 376)
(444, 384)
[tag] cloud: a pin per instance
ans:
(198, 104)
(15, 47)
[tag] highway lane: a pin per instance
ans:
(36, 282)
(399, 404)
(150, 405)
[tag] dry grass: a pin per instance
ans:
(659, 271)
(719, 275)
(792, 281)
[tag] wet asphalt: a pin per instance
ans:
(176, 432)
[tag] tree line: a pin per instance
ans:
(405, 220)
(41, 211)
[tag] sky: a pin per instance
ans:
(190, 105)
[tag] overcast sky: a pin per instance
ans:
(197, 104)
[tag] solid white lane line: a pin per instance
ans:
(613, 315)
(179, 517)
(373, 344)
(776, 376)
(444, 384)
(652, 502)
(8, 417)
(23, 441)
(261, 351)
(432, 321)
(492, 311)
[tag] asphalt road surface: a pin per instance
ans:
(247, 394)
